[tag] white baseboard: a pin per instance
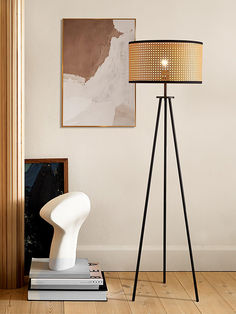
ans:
(123, 258)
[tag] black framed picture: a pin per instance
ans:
(44, 180)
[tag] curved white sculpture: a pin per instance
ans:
(66, 213)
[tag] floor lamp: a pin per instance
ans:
(165, 61)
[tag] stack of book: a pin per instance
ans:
(84, 282)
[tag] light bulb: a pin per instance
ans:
(164, 62)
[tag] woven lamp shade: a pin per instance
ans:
(165, 61)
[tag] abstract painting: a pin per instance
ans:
(95, 73)
(44, 180)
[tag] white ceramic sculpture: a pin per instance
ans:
(66, 213)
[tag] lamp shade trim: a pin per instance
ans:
(166, 41)
(175, 82)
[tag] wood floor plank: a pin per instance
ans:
(224, 284)
(18, 303)
(233, 274)
(79, 307)
(172, 294)
(47, 307)
(210, 300)
(116, 303)
(4, 300)
(146, 301)
(112, 274)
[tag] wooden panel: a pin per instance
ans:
(3, 127)
(11, 157)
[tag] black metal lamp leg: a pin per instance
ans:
(164, 189)
(183, 201)
(146, 201)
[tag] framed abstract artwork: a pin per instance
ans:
(44, 180)
(95, 73)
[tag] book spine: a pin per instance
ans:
(63, 287)
(66, 282)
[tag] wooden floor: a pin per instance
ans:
(217, 292)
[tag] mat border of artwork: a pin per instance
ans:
(93, 126)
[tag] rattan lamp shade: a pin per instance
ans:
(165, 61)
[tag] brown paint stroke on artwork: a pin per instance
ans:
(86, 45)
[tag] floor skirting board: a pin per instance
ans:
(123, 258)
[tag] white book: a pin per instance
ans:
(64, 287)
(93, 282)
(61, 295)
(40, 269)
(69, 295)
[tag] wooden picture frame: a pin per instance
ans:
(54, 160)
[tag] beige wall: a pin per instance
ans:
(111, 164)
